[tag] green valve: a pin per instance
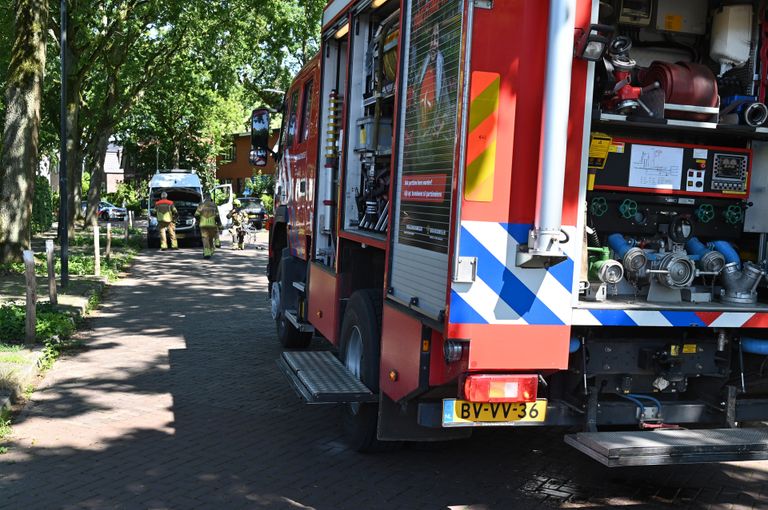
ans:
(599, 206)
(602, 268)
(705, 213)
(734, 214)
(628, 209)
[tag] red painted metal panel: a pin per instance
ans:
(323, 302)
(513, 347)
(400, 351)
(519, 59)
(441, 372)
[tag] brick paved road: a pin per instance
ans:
(177, 403)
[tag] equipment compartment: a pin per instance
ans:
(679, 99)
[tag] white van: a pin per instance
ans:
(185, 190)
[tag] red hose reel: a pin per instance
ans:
(684, 83)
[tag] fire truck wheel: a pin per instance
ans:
(289, 336)
(359, 352)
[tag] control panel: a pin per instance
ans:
(619, 164)
(730, 172)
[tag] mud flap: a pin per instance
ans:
(400, 423)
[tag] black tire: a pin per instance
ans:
(287, 334)
(363, 317)
(153, 242)
(104, 216)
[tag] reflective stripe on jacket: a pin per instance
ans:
(207, 216)
(164, 210)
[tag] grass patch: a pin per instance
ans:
(82, 262)
(16, 358)
(10, 347)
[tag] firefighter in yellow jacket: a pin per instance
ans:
(166, 221)
(206, 214)
(239, 218)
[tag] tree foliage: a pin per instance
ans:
(169, 80)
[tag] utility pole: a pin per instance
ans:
(157, 158)
(63, 194)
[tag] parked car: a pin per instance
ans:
(257, 215)
(107, 211)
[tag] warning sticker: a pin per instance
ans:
(599, 147)
(689, 348)
(618, 148)
(673, 23)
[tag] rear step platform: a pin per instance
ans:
(672, 446)
(320, 378)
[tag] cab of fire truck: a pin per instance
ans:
(510, 213)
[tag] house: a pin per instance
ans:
(234, 166)
(114, 169)
(114, 172)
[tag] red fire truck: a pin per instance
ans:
(518, 213)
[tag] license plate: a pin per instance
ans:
(460, 413)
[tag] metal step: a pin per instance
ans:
(320, 378)
(300, 286)
(672, 446)
(303, 327)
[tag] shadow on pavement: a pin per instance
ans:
(183, 407)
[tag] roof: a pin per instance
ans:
(174, 179)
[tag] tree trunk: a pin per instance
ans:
(96, 156)
(74, 155)
(19, 158)
(176, 155)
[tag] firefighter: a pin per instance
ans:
(239, 218)
(166, 221)
(206, 214)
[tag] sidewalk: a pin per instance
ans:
(19, 365)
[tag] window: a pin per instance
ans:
(305, 111)
(292, 118)
(230, 154)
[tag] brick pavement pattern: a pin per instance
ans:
(177, 403)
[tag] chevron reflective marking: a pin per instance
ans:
(664, 318)
(648, 318)
(503, 293)
(684, 319)
(731, 320)
(504, 287)
(582, 317)
(486, 303)
(462, 312)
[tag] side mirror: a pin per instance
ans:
(260, 137)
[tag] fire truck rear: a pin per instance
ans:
(516, 213)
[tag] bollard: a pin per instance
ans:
(54, 299)
(29, 272)
(108, 249)
(130, 219)
(125, 225)
(96, 252)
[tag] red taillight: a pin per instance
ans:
(501, 388)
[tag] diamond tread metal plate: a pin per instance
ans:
(672, 446)
(323, 374)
